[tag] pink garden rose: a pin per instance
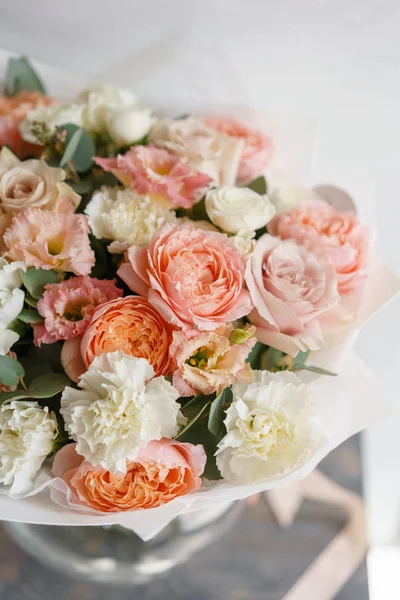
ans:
(257, 148)
(191, 276)
(151, 170)
(291, 288)
(48, 240)
(164, 470)
(209, 361)
(67, 307)
(318, 225)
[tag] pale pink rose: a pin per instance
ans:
(209, 361)
(319, 226)
(151, 170)
(164, 470)
(257, 148)
(67, 307)
(48, 240)
(192, 277)
(13, 110)
(291, 288)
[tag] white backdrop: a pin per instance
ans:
(337, 61)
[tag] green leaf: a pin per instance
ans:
(299, 360)
(30, 316)
(192, 421)
(199, 434)
(270, 359)
(79, 149)
(319, 371)
(35, 279)
(21, 76)
(82, 187)
(44, 386)
(217, 413)
(19, 327)
(11, 370)
(259, 185)
(30, 301)
(254, 358)
(48, 353)
(34, 367)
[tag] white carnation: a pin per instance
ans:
(119, 409)
(11, 301)
(233, 209)
(126, 217)
(269, 430)
(52, 116)
(27, 433)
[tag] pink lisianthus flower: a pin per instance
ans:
(191, 276)
(209, 361)
(151, 170)
(67, 307)
(320, 226)
(47, 240)
(162, 471)
(257, 148)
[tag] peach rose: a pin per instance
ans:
(192, 276)
(13, 110)
(209, 361)
(164, 470)
(130, 324)
(291, 289)
(318, 225)
(257, 148)
(151, 170)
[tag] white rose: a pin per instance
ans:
(52, 116)
(119, 409)
(27, 433)
(234, 209)
(269, 428)
(205, 149)
(31, 184)
(11, 301)
(126, 217)
(113, 110)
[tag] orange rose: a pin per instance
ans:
(164, 470)
(13, 110)
(132, 325)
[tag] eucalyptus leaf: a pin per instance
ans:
(21, 76)
(319, 371)
(48, 353)
(82, 187)
(18, 327)
(34, 367)
(299, 360)
(79, 149)
(217, 413)
(11, 371)
(71, 147)
(30, 316)
(44, 386)
(259, 185)
(270, 359)
(254, 358)
(35, 279)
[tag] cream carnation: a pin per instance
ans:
(11, 301)
(233, 209)
(269, 430)
(119, 409)
(126, 217)
(27, 433)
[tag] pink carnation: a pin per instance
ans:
(67, 307)
(48, 240)
(191, 276)
(320, 226)
(209, 361)
(150, 170)
(257, 148)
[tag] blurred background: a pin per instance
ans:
(335, 63)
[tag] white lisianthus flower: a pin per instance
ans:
(205, 149)
(52, 116)
(234, 208)
(126, 217)
(119, 409)
(11, 301)
(27, 433)
(113, 110)
(269, 430)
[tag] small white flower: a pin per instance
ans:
(244, 241)
(233, 209)
(113, 110)
(126, 217)
(269, 430)
(52, 116)
(11, 301)
(27, 433)
(119, 409)
(287, 195)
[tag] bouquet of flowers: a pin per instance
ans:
(170, 315)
